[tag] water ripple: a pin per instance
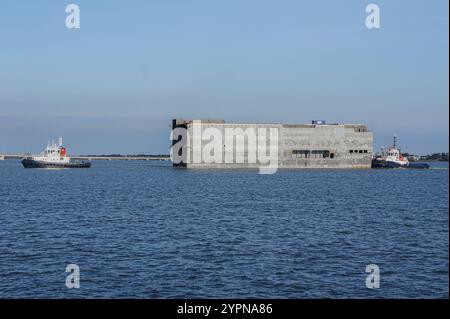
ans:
(140, 230)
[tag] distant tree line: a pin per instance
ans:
(441, 157)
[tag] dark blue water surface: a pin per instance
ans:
(146, 230)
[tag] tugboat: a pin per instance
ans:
(54, 156)
(393, 158)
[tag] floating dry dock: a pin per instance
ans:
(316, 145)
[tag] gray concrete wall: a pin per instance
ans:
(299, 146)
(349, 146)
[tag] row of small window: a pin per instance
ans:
(312, 154)
(358, 151)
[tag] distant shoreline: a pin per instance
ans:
(123, 155)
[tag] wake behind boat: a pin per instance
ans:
(54, 156)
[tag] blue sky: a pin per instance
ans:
(114, 84)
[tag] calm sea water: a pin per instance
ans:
(146, 230)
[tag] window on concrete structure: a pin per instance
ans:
(312, 154)
(301, 153)
(365, 151)
(351, 151)
(320, 154)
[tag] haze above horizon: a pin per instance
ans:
(114, 85)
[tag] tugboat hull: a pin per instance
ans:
(376, 163)
(28, 163)
(385, 164)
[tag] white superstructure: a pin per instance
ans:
(53, 153)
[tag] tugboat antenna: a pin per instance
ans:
(395, 140)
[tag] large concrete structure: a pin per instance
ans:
(316, 145)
